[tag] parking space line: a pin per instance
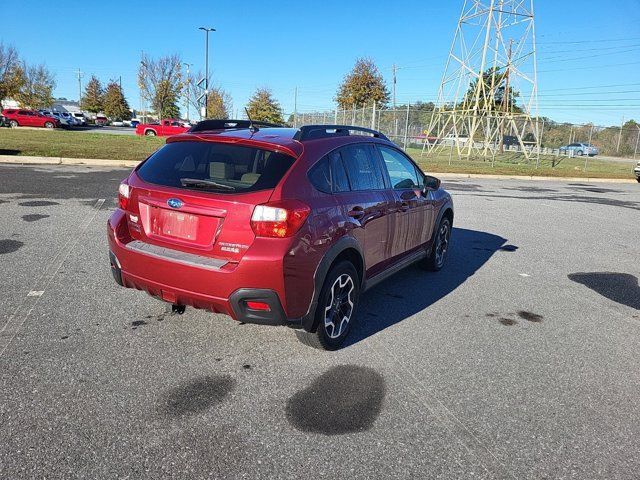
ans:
(22, 311)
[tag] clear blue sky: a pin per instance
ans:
(312, 44)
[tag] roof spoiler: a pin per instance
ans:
(228, 125)
(311, 132)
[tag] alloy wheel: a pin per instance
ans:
(442, 243)
(339, 308)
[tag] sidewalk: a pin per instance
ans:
(24, 160)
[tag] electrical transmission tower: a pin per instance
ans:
(488, 93)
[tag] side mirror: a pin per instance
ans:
(431, 183)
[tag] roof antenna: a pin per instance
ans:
(252, 127)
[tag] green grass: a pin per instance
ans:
(515, 164)
(62, 143)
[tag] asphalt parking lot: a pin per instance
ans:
(518, 360)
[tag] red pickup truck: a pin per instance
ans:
(166, 127)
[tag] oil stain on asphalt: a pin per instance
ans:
(621, 288)
(198, 395)
(530, 316)
(34, 217)
(345, 399)
(10, 246)
(507, 321)
(38, 203)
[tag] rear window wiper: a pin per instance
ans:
(202, 183)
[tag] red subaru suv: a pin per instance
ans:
(276, 226)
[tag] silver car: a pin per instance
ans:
(579, 149)
(636, 172)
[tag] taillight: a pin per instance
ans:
(124, 193)
(279, 219)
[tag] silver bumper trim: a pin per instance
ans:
(184, 258)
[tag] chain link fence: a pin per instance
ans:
(408, 126)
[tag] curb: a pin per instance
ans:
(19, 159)
(24, 160)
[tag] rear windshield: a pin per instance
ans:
(218, 167)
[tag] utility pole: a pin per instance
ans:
(394, 69)
(120, 82)
(635, 152)
(295, 108)
(188, 65)
(80, 75)
(206, 68)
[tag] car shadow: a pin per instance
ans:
(413, 289)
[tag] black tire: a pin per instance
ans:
(150, 133)
(341, 280)
(13, 123)
(579, 153)
(438, 256)
(638, 179)
(48, 125)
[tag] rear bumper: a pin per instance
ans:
(222, 290)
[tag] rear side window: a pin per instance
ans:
(208, 166)
(329, 174)
(362, 170)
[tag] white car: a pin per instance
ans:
(71, 120)
(117, 123)
(636, 172)
(79, 116)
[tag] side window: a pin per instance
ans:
(362, 170)
(402, 172)
(338, 173)
(320, 175)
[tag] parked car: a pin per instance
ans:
(29, 118)
(116, 122)
(70, 119)
(579, 149)
(135, 122)
(4, 121)
(79, 116)
(636, 171)
(276, 226)
(168, 126)
(101, 120)
(64, 122)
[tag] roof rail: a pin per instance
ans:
(228, 125)
(311, 132)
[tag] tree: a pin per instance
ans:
(37, 88)
(115, 104)
(93, 98)
(11, 73)
(160, 83)
(494, 94)
(262, 106)
(218, 104)
(362, 86)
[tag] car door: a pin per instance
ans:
(412, 211)
(365, 204)
(25, 118)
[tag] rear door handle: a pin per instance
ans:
(356, 212)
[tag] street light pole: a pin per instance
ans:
(188, 65)
(206, 68)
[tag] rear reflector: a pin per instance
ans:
(262, 306)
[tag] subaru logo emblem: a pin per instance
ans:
(175, 202)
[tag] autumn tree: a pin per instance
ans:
(362, 86)
(115, 103)
(11, 73)
(37, 87)
(93, 98)
(161, 83)
(262, 106)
